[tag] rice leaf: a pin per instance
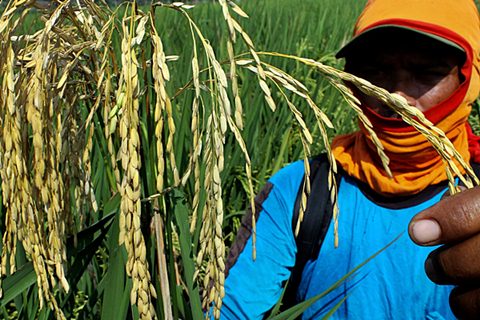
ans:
(17, 283)
(181, 216)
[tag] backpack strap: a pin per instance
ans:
(314, 227)
(316, 221)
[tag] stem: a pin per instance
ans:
(162, 267)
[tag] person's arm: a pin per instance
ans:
(455, 223)
(252, 287)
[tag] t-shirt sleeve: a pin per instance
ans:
(252, 287)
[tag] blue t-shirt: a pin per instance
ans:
(391, 286)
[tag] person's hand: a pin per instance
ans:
(455, 224)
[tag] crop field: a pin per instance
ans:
(134, 138)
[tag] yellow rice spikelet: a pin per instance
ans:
(137, 266)
(212, 245)
(161, 75)
(12, 168)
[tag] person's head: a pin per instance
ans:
(424, 70)
(427, 51)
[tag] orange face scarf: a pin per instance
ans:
(413, 161)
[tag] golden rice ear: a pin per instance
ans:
(353, 102)
(409, 114)
(231, 56)
(282, 79)
(142, 293)
(12, 167)
(35, 208)
(434, 135)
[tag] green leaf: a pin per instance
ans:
(170, 262)
(278, 305)
(31, 296)
(44, 313)
(280, 158)
(335, 307)
(115, 292)
(84, 237)
(87, 246)
(16, 283)
(188, 262)
(4, 312)
(81, 262)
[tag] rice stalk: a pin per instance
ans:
(142, 292)
(415, 118)
(237, 125)
(161, 75)
(196, 132)
(51, 188)
(322, 121)
(409, 114)
(435, 136)
(281, 78)
(307, 140)
(47, 184)
(212, 247)
(233, 72)
(261, 74)
(217, 123)
(211, 232)
(55, 212)
(102, 73)
(212, 238)
(110, 125)
(12, 168)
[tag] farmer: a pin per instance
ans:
(428, 52)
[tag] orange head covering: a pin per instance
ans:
(413, 161)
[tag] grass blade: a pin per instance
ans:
(17, 283)
(181, 216)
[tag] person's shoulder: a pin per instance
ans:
(288, 171)
(288, 178)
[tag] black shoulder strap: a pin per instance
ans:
(316, 220)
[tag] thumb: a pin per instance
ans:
(453, 219)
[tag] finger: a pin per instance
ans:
(465, 302)
(455, 264)
(453, 219)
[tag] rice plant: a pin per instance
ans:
(129, 150)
